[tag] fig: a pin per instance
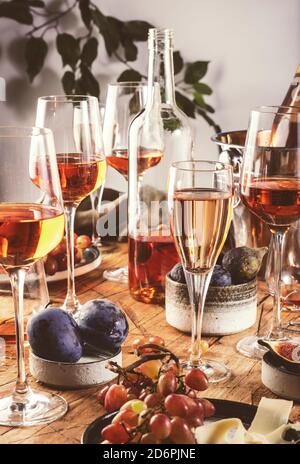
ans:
(177, 274)
(243, 263)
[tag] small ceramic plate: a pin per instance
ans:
(80, 269)
(224, 410)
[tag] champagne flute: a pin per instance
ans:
(123, 102)
(270, 184)
(200, 205)
(75, 122)
(31, 225)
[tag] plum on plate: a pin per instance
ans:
(53, 334)
(220, 277)
(103, 325)
(177, 273)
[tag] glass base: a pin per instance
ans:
(249, 347)
(118, 275)
(214, 370)
(39, 408)
(97, 242)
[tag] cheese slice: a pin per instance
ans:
(222, 432)
(270, 415)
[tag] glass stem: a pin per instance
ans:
(17, 279)
(276, 331)
(197, 286)
(71, 303)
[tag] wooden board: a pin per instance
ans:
(244, 385)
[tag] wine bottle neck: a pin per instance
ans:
(161, 70)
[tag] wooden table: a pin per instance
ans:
(244, 385)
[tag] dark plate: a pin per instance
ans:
(224, 410)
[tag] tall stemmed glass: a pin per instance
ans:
(123, 102)
(270, 183)
(31, 225)
(75, 122)
(200, 206)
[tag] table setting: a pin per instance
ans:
(165, 313)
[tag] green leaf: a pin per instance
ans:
(109, 29)
(137, 30)
(68, 82)
(17, 11)
(209, 108)
(90, 51)
(195, 71)
(68, 47)
(35, 53)
(88, 82)
(86, 14)
(130, 75)
(178, 62)
(185, 104)
(198, 97)
(200, 87)
(130, 50)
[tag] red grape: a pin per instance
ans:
(139, 341)
(196, 379)
(115, 433)
(195, 414)
(152, 400)
(208, 407)
(160, 425)
(180, 432)
(167, 384)
(128, 417)
(101, 394)
(115, 397)
(149, 439)
(156, 340)
(51, 266)
(83, 241)
(62, 262)
(150, 368)
(176, 405)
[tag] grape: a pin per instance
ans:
(115, 397)
(77, 256)
(156, 340)
(150, 368)
(101, 394)
(51, 266)
(195, 414)
(176, 405)
(83, 241)
(196, 379)
(180, 432)
(115, 433)
(128, 416)
(62, 262)
(137, 342)
(167, 384)
(208, 407)
(152, 400)
(171, 368)
(135, 405)
(149, 439)
(160, 426)
(204, 346)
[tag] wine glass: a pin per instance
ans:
(31, 225)
(123, 102)
(200, 205)
(270, 185)
(75, 122)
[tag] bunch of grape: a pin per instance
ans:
(57, 259)
(156, 403)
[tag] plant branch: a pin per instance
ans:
(119, 57)
(53, 19)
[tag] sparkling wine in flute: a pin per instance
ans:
(146, 159)
(28, 232)
(276, 200)
(200, 223)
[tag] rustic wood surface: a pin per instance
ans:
(244, 385)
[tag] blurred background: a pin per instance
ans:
(253, 48)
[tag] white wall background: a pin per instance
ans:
(253, 46)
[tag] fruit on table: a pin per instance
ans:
(243, 263)
(196, 380)
(83, 241)
(220, 277)
(103, 325)
(115, 397)
(54, 335)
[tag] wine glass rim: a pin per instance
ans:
(67, 98)
(127, 84)
(218, 166)
(273, 109)
(23, 131)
